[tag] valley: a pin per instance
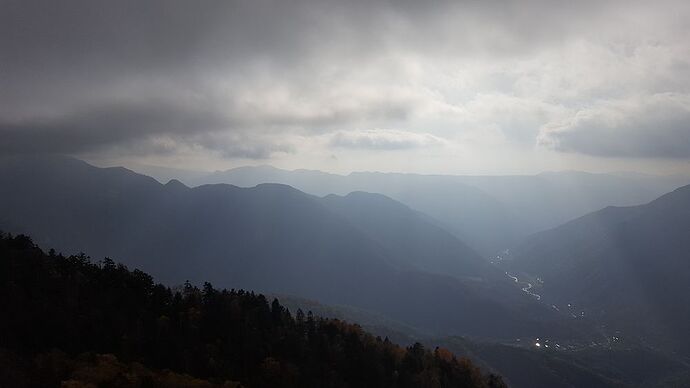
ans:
(344, 194)
(376, 261)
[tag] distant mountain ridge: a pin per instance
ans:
(407, 236)
(489, 213)
(271, 238)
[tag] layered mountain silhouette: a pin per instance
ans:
(469, 213)
(409, 237)
(627, 267)
(355, 250)
(489, 213)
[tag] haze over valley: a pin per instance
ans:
(344, 194)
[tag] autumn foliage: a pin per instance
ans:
(104, 317)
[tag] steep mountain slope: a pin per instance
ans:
(626, 267)
(469, 213)
(56, 308)
(271, 238)
(549, 199)
(620, 363)
(489, 213)
(408, 236)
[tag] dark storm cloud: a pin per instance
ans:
(155, 34)
(98, 126)
(59, 57)
(235, 77)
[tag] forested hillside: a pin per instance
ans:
(271, 239)
(624, 266)
(60, 312)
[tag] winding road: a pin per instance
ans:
(526, 288)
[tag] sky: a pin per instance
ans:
(456, 87)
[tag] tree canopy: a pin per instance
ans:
(106, 317)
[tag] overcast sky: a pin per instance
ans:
(475, 87)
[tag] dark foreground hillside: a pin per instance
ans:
(65, 319)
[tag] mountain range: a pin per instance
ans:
(363, 250)
(608, 286)
(488, 213)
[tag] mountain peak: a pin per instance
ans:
(175, 184)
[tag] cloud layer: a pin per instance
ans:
(384, 139)
(656, 126)
(236, 80)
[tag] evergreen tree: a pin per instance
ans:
(68, 303)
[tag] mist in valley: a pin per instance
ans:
(344, 194)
